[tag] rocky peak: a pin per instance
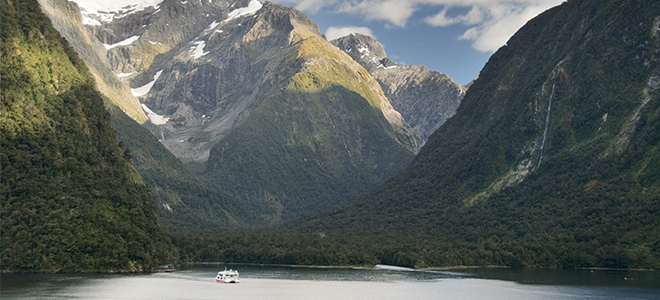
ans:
(365, 50)
(425, 98)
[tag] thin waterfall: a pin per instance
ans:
(547, 124)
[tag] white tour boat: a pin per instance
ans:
(227, 276)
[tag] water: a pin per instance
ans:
(197, 282)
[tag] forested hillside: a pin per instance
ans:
(551, 160)
(185, 200)
(319, 131)
(70, 199)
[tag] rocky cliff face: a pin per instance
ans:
(425, 98)
(68, 20)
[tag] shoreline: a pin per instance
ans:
(448, 268)
(375, 267)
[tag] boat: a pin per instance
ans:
(227, 276)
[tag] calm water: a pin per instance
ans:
(197, 282)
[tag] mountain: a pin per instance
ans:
(184, 199)
(425, 98)
(552, 160)
(317, 132)
(67, 19)
(70, 199)
(286, 123)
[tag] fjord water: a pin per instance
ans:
(259, 282)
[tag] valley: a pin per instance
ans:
(243, 135)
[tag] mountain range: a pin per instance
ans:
(550, 159)
(218, 92)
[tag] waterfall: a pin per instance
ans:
(547, 124)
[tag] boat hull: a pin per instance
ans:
(224, 281)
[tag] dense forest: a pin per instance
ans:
(186, 200)
(70, 199)
(552, 160)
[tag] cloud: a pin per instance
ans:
(491, 22)
(337, 32)
(308, 6)
(396, 12)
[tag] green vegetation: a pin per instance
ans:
(184, 199)
(312, 143)
(489, 187)
(70, 199)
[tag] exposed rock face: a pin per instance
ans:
(67, 19)
(425, 98)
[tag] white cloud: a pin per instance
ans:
(308, 6)
(491, 22)
(395, 12)
(494, 22)
(337, 32)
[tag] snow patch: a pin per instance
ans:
(198, 49)
(125, 42)
(154, 117)
(90, 21)
(143, 90)
(154, 43)
(364, 50)
(121, 75)
(108, 10)
(213, 25)
(251, 9)
(390, 67)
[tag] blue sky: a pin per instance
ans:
(455, 37)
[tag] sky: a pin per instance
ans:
(455, 37)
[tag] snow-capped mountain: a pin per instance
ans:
(283, 117)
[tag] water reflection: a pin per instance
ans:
(319, 273)
(267, 282)
(631, 278)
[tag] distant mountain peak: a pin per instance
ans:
(365, 50)
(425, 98)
